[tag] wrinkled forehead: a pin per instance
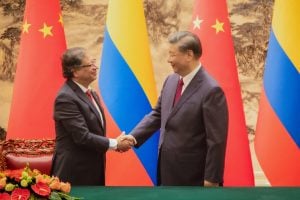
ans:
(86, 58)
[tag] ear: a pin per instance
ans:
(74, 72)
(190, 54)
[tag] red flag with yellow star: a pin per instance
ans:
(211, 23)
(39, 74)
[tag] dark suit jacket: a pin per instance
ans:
(192, 133)
(79, 156)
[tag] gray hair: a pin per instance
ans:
(71, 59)
(187, 41)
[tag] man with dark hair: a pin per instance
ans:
(81, 144)
(2, 134)
(192, 116)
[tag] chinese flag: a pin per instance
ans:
(210, 22)
(39, 75)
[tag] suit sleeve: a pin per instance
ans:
(148, 126)
(68, 113)
(215, 113)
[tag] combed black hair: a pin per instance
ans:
(187, 41)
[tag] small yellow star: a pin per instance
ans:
(25, 27)
(218, 26)
(60, 20)
(46, 30)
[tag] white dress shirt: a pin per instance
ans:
(188, 78)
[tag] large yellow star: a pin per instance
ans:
(46, 30)
(25, 27)
(60, 20)
(218, 26)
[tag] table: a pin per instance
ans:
(186, 193)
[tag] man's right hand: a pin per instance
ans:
(125, 142)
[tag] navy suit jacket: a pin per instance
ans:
(192, 133)
(81, 144)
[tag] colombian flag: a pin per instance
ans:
(277, 139)
(128, 91)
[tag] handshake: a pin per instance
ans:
(125, 142)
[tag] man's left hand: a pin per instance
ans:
(210, 184)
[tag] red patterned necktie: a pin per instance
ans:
(178, 91)
(89, 94)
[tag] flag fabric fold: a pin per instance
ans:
(211, 23)
(277, 138)
(128, 92)
(39, 75)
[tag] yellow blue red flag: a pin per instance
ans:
(128, 91)
(277, 139)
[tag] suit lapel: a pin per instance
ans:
(86, 99)
(97, 99)
(172, 91)
(188, 92)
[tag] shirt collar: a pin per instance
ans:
(84, 89)
(188, 78)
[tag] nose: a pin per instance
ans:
(95, 66)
